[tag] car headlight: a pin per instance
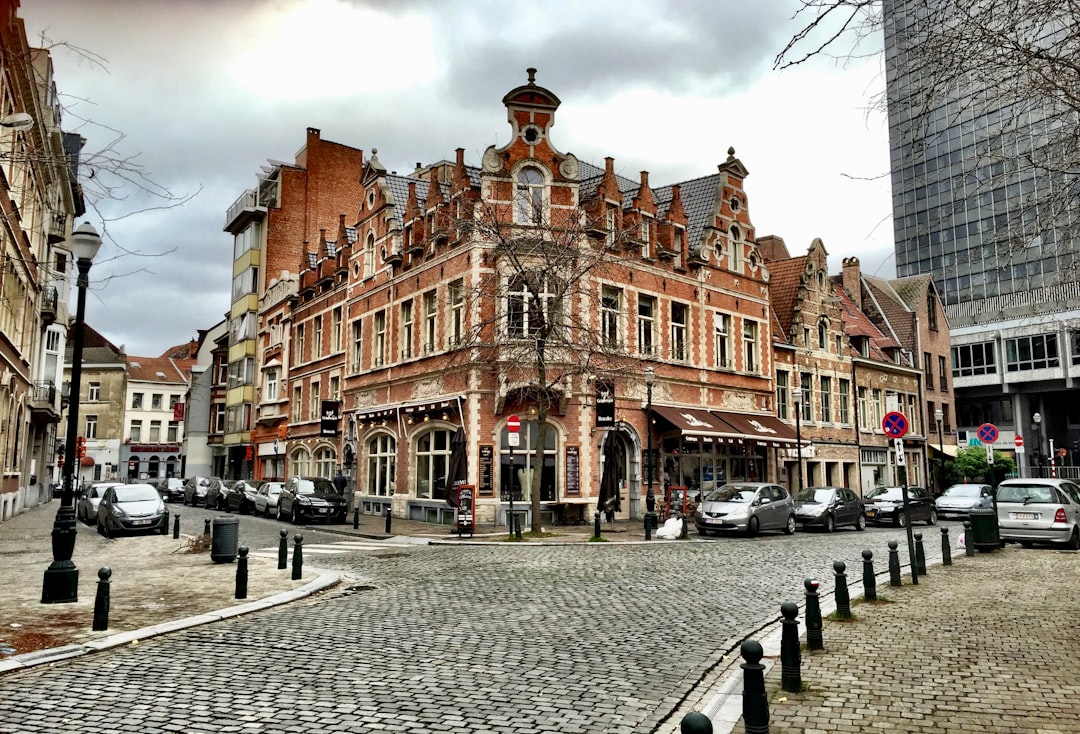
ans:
(118, 512)
(740, 512)
(303, 500)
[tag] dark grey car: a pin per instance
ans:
(746, 506)
(829, 508)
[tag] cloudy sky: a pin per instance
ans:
(198, 94)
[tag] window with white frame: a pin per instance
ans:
(722, 339)
(609, 224)
(806, 382)
(432, 460)
(751, 359)
(735, 252)
(135, 434)
(783, 394)
(300, 463)
(457, 312)
(382, 459)
(91, 427)
(431, 310)
(357, 344)
(646, 236)
(865, 418)
(217, 418)
(530, 196)
(271, 385)
(406, 331)
(173, 431)
(155, 431)
(316, 337)
(335, 330)
(136, 400)
(325, 462)
(379, 357)
(823, 335)
(680, 314)
(826, 399)
(646, 325)
(611, 305)
(1034, 352)
(369, 255)
(877, 406)
(679, 239)
(334, 392)
(298, 345)
(297, 404)
(315, 401)
(93, 392)
(528, 309)
(844, 400)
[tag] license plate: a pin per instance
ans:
(1025, 516)
(140, 522)
(871, 513)
(321, 510)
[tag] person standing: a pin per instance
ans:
(340, 483)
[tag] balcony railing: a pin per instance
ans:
(49, 300)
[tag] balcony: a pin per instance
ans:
(57, 228)
(49, 301)
(251, 206)
(44, 405)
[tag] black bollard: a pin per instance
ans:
(517, 525)
(648, 536)
(176, 526)
(298, 557)
(685, 532)
(242, 572)
(356, 518)
(755, 701)
(869, 580)
(790, 654)
(814, 638)
(283, 550)
(946, 551)
(920, 555)
(969, 546)
(695, 722)
(386, 512)
(894, 563)
(206, 528)
(843, 598)
(596, 525)
(101, 601)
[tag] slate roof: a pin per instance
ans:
(857, 324)
(784, 279)
(699, 201)
(894, 315)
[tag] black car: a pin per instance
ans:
(217, 493)
(195, 490)
(829, 508)
(885, 506)
(312, 499)
(171, 489)
(241, 497)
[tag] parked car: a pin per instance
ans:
(195, 490)
(957, 500)
(1039, 510)
(217, 493)
(885, 506)
(132, 508)
(171, 489)
(311, 498)
(241, 497)
(746, 506)
(266, 499)
(829, 508)
(86, 507)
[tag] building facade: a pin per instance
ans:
(154, 415)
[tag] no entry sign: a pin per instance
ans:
(513, 424)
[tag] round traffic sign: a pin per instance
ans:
(988, 433)
(1019, 441)
(894, 424)
(513, 424)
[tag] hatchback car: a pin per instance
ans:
(885, 506)
(829, 508)
(132, 508)
(266, 499)
(957, 500)
(1039, 510)
(241, 497)
(217, 493)
(747, 507)
(311, 498)
(195, 490)
(171, 489)
(86, 507)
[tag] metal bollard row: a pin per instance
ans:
(969, 543)
(814, 638)
(790, 652)
(283, 550)
(946, 551)
(894, 563)
(869, 578)
(102, 600)
(920, 555)
(843, 598)
(298, 557)
(242, 573)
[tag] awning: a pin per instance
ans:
(765, 429)
(86, 461)
(697, 423)
(947, 449)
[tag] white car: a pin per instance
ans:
(1039, 511)
(266, 499)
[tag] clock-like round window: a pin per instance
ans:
(532, 134)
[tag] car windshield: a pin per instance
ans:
(273, 488)
(732, 493)
(964, 490)
(815, 496)
(136, 493)
(1025, 493)
(311, 486)
(885, 493)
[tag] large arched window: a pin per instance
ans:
(516, 466)
(382, 457)
(300, 463)
(325, 462)
(530, 196)
(369, 256)
(432, 460)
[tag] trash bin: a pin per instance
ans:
(984, 528)
(226, 539)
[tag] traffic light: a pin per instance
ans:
(80, 447)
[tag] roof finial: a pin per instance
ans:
(532, 75)
(731, 152)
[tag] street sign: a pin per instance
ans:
(894, 424)
(1019, 441)
(898, 445)
(513, 424)
(989, 454)
(988, 433)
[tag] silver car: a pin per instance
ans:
(86, 507)
(957, 500)
(266, 499)
(132, 508)
(1039, 510)
(747, 507)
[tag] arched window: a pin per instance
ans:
(735, 254)
(153, 467)
(432, 460)
(382, 458)
(517, 465)
(325, 462)
(530, 196)
(823, 334)
(369, 256)
(300, 463)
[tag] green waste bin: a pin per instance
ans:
(984, 529)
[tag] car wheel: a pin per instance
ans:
(107, 531)
(278, 512)
(1026, 543)
(1074, 539)
(295, 515)
(184, 501)
(901, 520)
(99, 529)
(932, 520)
(860, 524)
(789, 529)
(752, 526)
(830, 523)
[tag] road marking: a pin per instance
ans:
(332, 549)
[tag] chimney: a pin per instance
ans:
(853, 280)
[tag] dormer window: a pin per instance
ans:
(735, 255)
(646, 234)
(823, 334)
(530, 196)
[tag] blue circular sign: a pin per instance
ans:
(988, 433)
(894, 424)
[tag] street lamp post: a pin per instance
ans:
(1037, 418)
(796, 396)
(650, 498)
(939, 415)
(61, 582)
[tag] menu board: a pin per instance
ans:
(573, 471)
(487, 470)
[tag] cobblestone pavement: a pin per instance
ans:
(989, 645)
(488, 638)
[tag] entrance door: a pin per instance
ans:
(622, 454)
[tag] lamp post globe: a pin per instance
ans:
(796, 396)
(61, 581)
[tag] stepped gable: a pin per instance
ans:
(785, 278)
